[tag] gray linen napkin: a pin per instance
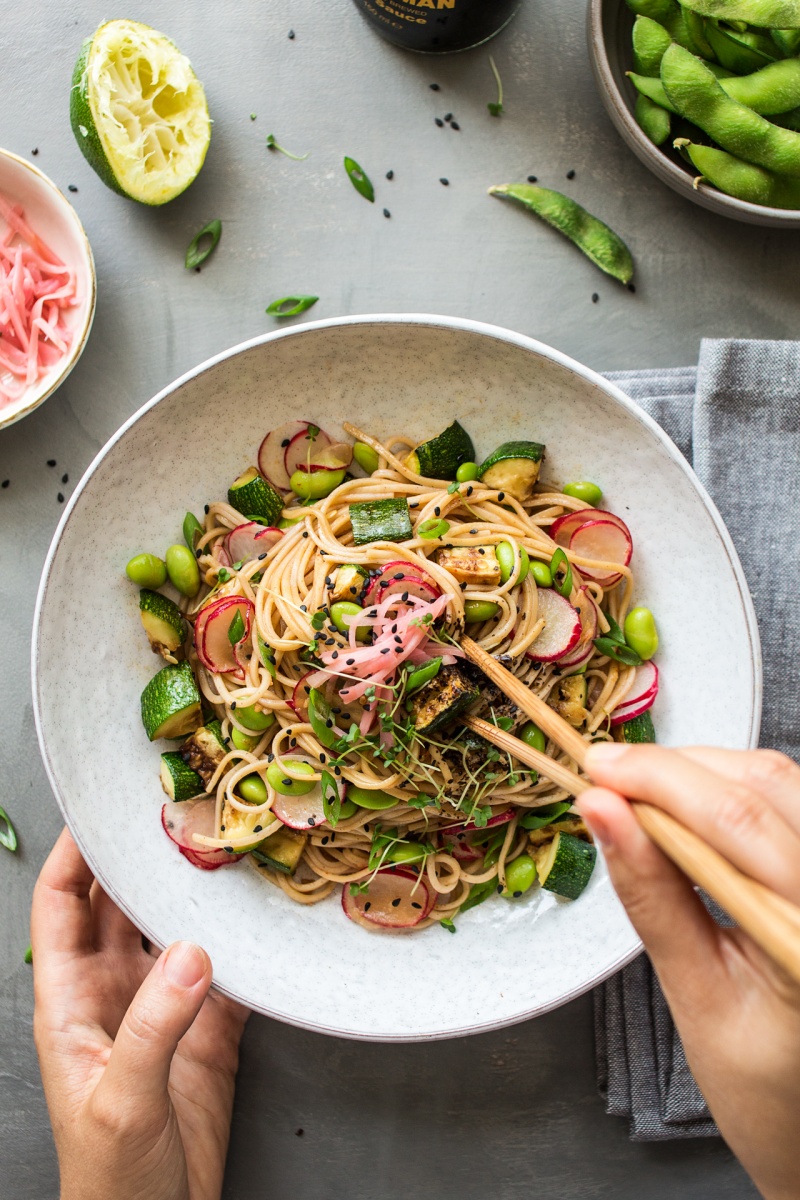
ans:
(736, 417)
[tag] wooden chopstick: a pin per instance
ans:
(771, 921)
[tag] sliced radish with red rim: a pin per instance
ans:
(583, 649)
(272, 453)
(212, 630)
(335, 457)
(304, 812)
(641, 696)
(562, 629)
(247, 541)
(212, 861)
(396, 899)
(563, 527)
(303, 447)
(606, 542)
(182, 821)
(399, 577)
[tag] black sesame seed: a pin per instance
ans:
(631, 287)
(312, 820)
(400, 574)
(595, 297)
(305, 533)
(439, 122)
(291, 39)
(5, 483)
(71, 187)
(325, 840)
(65, 478)
(517, 895)
(60, 497)
(404, 597)
(470, 490)
(35, 151)
(205, 506)
(198, 270)
(570, 174)
(395, 902)
(532, 179)
(222, 828)
(51, 462)
(306, 689)
(386, 651)
(233, 704)
(463, 587)
(368, 906)
(448, 116)
(501, 495)
(262, 556)
(434, 87)
(415, 905)
(228, 849)
(454, 125)
(329, 723)
(349, 662)
(413, 504)
(390, 174)
(500, 887)
(293, 742)
(337, 770)
(398, 639)
(285, 442)
(386, 212)
(444, 181)
(287, 782)
(257, 828)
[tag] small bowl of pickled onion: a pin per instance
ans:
(47, 287)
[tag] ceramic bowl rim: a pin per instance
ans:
(460, 324)
(60, 202)
(652, 156)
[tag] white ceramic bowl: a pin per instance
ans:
(52, 216)
(413, 374)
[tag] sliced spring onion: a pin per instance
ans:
(562, 586)
(8, 834)
(236, 628)
(618, 651)
(435, 528)
(29, 955)
(273, 145)
(614, 631)
(359, 179)
(298, 304)
(331, 800)
(422, 675)
(267, 656)
(544, 815)
(209, 235)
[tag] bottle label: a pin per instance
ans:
(438, 24)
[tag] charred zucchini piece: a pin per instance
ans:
(441, 700)
(441, 456)
(348, 583)
(470, 564)
(568, 698)
(513, 468)
(163, 623)
(281, 850)
(639, 729)
(204, 750)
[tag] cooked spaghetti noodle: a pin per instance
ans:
(439, 815)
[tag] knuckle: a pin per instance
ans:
(110, 1118)
(774, 769)
(739, 812)
(142, 1024)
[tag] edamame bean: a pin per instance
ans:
(342, 612)
(698, 96)
(348, 809)
(366, 457)
(242, 741)
(253, 718)
(532, 736)
(147, 571)
(480, 610)
(287, 522)
(589, 493)
(284, 784)
(653, 120)
(406, 853)
(372, 798)
(541, 573)
(252, 789)
(507, 560)
(520, 876)
(183, 570)
(313, 485)
(467, 472)
(594, 238)
(741, 179)
(650, 40)
(641, 633)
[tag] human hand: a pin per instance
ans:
(138, 1059)
(737, 1012)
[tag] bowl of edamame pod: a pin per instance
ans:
(706, 93)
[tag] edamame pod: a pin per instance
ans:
(652, 90)
(650, 41)
(787, 40)
(653, 120)
(735, 52)
(667, 13)
(769, 14)
(599, 243)
(741, 179)
(695, 27)
(773, 89)
(698, 96)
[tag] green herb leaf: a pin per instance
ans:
(28, 955)
(331, 799)
(614, 631)
(298, 304)
(267, 656)
(621, 654)
(562, 586)
(421, 801)
(453, 488)
(209, 235)
(223, 575)
(434, 528)
(312, 432)
(359, 179)
(317, 620)
(496, 107)
(480, 817)
(358, 889)
(447, 923)
(236, 628)
(192, 530)
(8, 834)
(273, 145)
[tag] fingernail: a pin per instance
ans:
(184, 964)
(605, 752)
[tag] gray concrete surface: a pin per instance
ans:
(510, 1114)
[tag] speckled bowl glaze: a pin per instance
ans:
(413, 374)
(609, 26)
(55, 220)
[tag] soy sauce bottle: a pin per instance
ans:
(437, 26)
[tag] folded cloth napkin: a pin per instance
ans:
(736, 417)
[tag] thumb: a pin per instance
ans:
(159, 1015)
